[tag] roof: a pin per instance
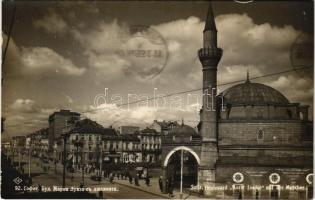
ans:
(64, 112)
(87, 126)
(183, 130)
(127, 137)
(148, 131)
(249, 93)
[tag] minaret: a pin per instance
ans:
(209, 56)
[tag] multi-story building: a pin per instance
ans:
(59, 122)
(89, 142)
(150, 141)
(17, 145)
(39, 142)
(128, 146)
(18, 142)
(85, 141)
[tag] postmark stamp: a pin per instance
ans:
(302, 54)
(146, 51)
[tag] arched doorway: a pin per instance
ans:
(172, 165)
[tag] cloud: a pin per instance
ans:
(295, 88)
(117, 51)
(51, 23)
(246, 43)
(25, 116)
(38, 61)
(110, 114)
(43, 59)
(24, 105)
(69, 99)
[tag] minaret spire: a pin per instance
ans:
(210, 23)
(210, 31)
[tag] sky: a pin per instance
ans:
(88, 56)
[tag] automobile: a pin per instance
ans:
(96, 178)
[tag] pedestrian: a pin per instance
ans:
(136, 180)
(39, 188)
(167, 185)
(130, 179)
(147, 180)
(257, 194)
(170, 188)
(100, 194)
(30, 181)
(201, 191)
(111, 178)
(161, 183)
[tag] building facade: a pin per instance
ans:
(151, 145)
(58, 122)
(89, 143)
(128, 129)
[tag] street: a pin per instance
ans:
(53, 181)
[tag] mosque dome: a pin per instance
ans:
(183, 130)
(249, 93)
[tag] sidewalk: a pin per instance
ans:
(154, 189)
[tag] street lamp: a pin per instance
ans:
(82, 168)
(29, 162)
(79, 144)
(65, 136)
(181, 173)
(101, 161)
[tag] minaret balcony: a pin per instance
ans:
(206, 53)
(210, 56)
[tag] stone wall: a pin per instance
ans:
(275, 133)
(261, 112)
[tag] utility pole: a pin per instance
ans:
(82, 155)
(12, 155)
(181, 174)
(101, 162)
(19, 158)
(65, 135)
(64, 160)
(29, 162)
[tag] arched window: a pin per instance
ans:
(289, 113)
(260, 114)
(260, 135)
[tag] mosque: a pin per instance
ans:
(258, 146)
